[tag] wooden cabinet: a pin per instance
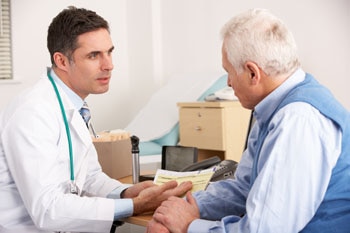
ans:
(216, 128)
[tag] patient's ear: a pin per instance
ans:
(254, 72)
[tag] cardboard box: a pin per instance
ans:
(115, 157)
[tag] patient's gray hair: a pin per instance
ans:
(260, 37)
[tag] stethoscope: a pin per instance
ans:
(73, 186)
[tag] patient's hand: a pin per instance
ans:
(155, 227)
(176, 214)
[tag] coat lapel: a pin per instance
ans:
(78, 127)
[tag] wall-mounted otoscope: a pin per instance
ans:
(135, 159)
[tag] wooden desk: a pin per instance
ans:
(141, 220)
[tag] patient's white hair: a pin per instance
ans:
(260, 37)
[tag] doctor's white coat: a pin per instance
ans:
(35, 171)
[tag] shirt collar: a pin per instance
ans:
(76, 100)
(266, 107)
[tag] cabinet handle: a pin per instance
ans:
(199, 114)
(198, 128)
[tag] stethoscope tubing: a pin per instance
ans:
(69, 139)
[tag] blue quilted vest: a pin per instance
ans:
(333, 215)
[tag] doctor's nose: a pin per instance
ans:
(107, 63)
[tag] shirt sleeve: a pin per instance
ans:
(123, 208)
(115, 194)
(204, 226)
(232, 192)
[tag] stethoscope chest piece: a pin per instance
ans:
(74, 189)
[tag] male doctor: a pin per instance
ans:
(37, 194)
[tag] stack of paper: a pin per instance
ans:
(200, 179)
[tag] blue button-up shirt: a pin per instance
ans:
(294, 169)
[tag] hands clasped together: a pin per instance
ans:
(174, 215)
(147, 196)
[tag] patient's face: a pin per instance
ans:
(239, 82)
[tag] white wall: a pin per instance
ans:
(156, 39)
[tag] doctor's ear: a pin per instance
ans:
(61, 60)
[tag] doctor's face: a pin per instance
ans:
(89, 70)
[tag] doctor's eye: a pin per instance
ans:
(93, 55)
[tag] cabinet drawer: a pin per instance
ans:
(202, 128)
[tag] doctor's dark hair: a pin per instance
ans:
(65, 28)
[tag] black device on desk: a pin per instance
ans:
(181, 158)
(174, 158)
(224, 169)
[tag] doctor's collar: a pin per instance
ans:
(76, 100)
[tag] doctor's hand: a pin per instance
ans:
(134, 190)
(150, 198)
(175, 214)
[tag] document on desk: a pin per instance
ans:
(200, 179)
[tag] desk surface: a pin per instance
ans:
(141, 220)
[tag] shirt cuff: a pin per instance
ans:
(201, 226)
(115, 194)
(123, 208)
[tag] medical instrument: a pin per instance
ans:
(135, 159)
(73, 186)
